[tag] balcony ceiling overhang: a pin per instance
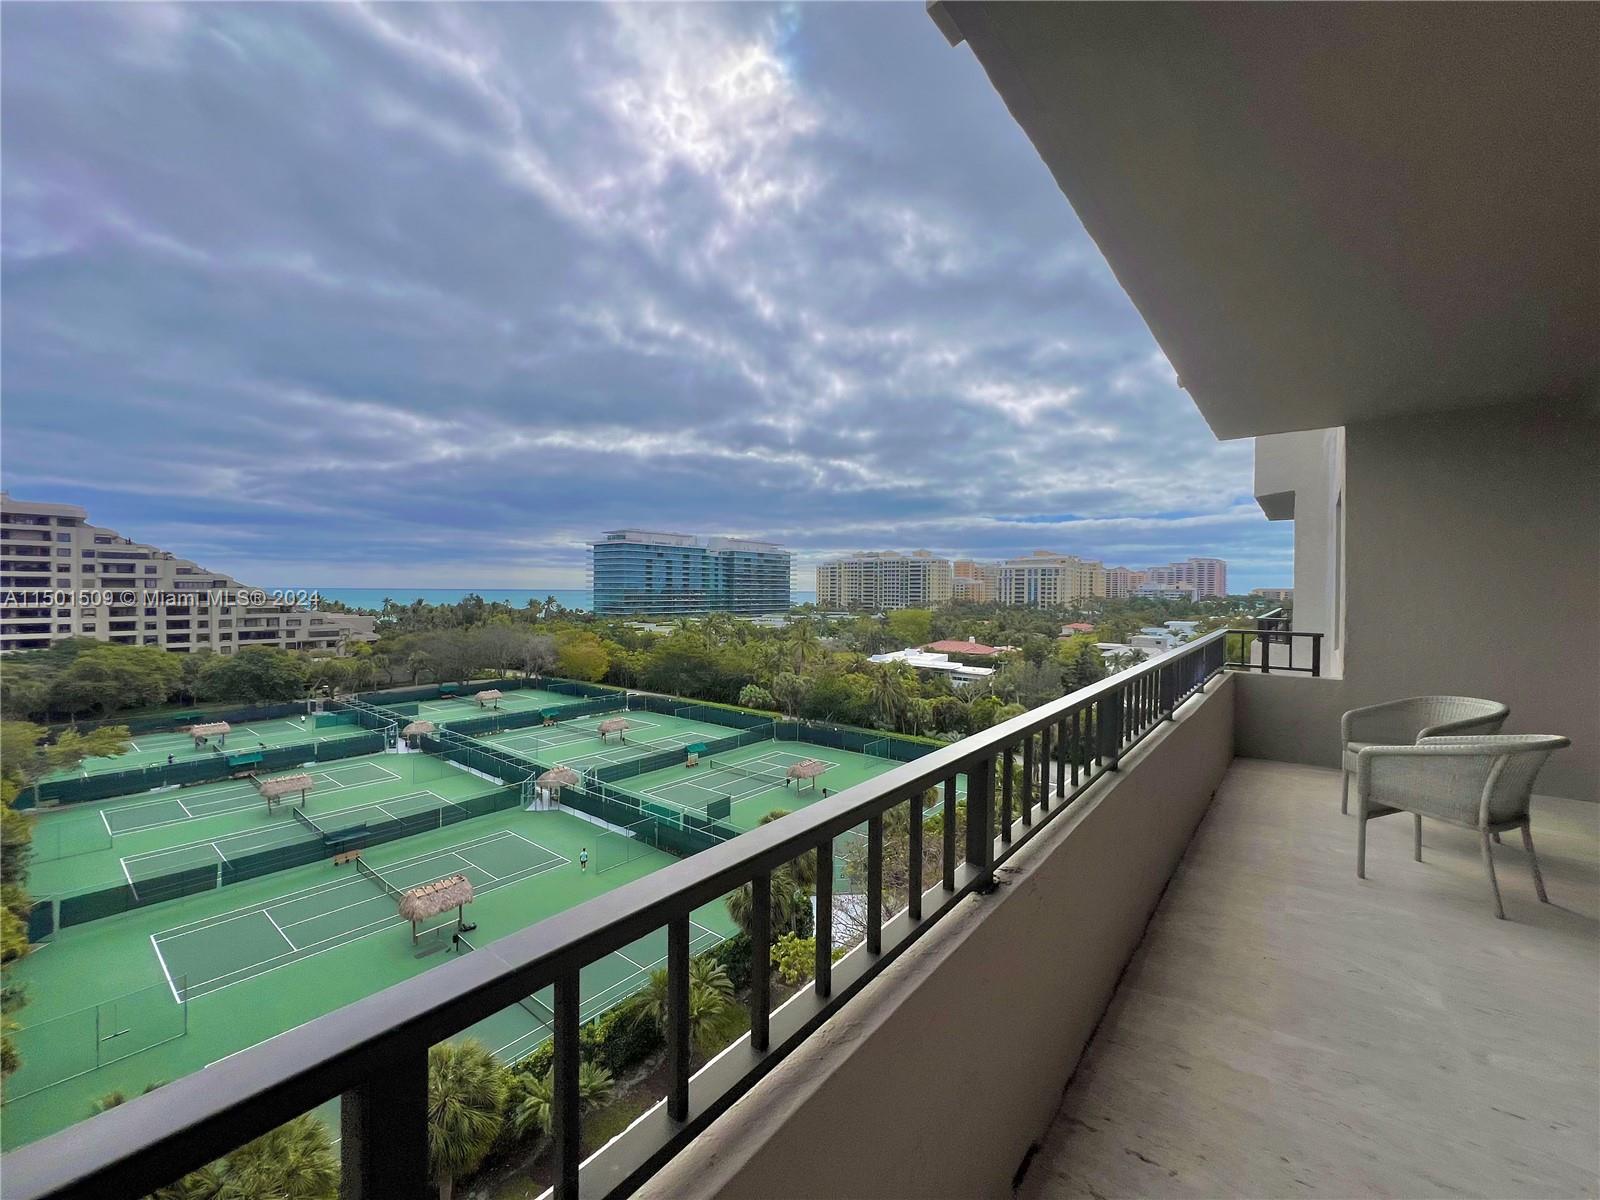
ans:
(1327, 213)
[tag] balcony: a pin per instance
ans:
(1344, 1015)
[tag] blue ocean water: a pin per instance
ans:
(581, 598)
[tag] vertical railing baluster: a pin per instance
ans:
(1077, 744)
(1027, 781)
(824, 932)
(1060, 728)
(1044, 769)
(980, 817)
(1113, 722)
(677, 1030)
(914, 857)
(760, 959)
(950, 832)
(1007, 762)
(875, 880)
(566, 1130)
(383, 1125)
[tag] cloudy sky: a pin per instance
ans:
(370, 296)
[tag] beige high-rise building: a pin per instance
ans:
(885, 579)
(1205, 576)
(1122, 582)
(978, 582)
(1045, 578)
(61, 577)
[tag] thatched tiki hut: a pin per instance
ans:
(216, 729)
(616, 725)
(274, 790)
(415, 730)
(801, 772)
(557, 778)
(427, 901)
(488, 699)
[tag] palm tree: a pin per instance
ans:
(532, 1114)
(466, 1096)
(293, 1162)
(804, 641)
(710, 1002)
(787, 902)
(890, 694)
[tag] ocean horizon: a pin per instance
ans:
(373, 597)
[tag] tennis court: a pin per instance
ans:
(753, 780)
(578, 744)
(153, 749)
(454, 708)
(142, 837)
(237, 946)
(517, 1032)
(235, 795)
(340, 941)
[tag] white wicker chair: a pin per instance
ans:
(1404, 722)
(1482, 783)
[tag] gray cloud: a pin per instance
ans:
(350, 295)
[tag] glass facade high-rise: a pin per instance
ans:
(641, 573)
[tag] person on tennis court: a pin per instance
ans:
(169, 760)
(583, 859)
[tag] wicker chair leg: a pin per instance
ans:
(1344, 794)
(1533, 861)
(1416, 852)
(1361, 845)
(1494, 884)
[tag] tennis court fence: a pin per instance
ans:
(200, 770)
(352, 829)
(56, 1049)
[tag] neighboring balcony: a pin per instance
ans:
(1177, 931)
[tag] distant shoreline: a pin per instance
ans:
(373, 598)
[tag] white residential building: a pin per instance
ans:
(61, 577)
(923, 660)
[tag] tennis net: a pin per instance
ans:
(308, 823)
(776, 780)
(378, 879)
(530, 1004)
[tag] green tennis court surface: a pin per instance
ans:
(86, 846)
(753, 780)
(218, 952)
(578, 743)
(341, 940)
(454, 708)
(152, 749)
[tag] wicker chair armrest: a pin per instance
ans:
(1391, 722)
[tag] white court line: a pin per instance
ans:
(279, 928)
(639, 966)
(248, 795)
(319, 888)
(176, 999)
(389, 922)
(135, 745)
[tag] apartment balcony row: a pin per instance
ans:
(1281, 1026)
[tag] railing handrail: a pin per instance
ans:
(152, 1140)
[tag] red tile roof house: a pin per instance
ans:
(950, 646)
(1076, 627)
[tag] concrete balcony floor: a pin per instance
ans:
(1288, 1030)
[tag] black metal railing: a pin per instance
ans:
(373, 1053)
(1252, 649)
